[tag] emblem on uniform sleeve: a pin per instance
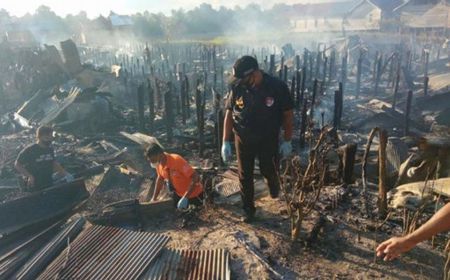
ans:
(269, 101)
(240, 102)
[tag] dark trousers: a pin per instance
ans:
(266, 150)
(197, 201)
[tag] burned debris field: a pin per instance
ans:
(363, 157)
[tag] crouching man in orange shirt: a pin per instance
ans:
(174, 171)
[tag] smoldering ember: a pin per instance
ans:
(128, 141)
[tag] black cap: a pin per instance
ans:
(153, 148)
(244, 66)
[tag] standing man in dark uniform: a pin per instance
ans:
(256, 108)
(37, 162)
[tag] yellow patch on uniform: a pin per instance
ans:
(240, 102)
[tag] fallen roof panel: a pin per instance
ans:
(107, 253)
(190, 264)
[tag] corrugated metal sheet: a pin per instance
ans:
(107, 253)
(188, 264)
(13, 258)
(48, 253)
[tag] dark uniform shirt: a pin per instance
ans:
(259, 112)
(38, 161)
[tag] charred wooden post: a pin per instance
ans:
(305, 58)
(337, 109)
(332, 65)
(297, 63)
(378, 73)
(285, 73)
(347, 163)
(408, 111)
(382, 187)
(297, 88)
(374, 66)
(200, 107)
(218, 124)
(183, 100)
(318, 63)
(177, 93)
(303, 124)
(293, 83)
(140, 107)
(359, 73)
(408, 61)
(168, 112)
(303, 86)
(391, 81)
(344, 70)
(159, 97)
(313, 99)
(188, 99)
(272, 65)
(324, 74)
(397, 82)
(281, 68)
(151, 103)
(311, 64)
(222, 80)
(425, 74)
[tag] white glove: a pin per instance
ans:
(285, 149)
(69, 178)
(226, 151)
(183, 203)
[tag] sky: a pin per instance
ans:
(97, 7)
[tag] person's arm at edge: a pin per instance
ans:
(393, 247)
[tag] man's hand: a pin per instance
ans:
(69, 178)
(285, 149)
(30, 182)
(393, 247)
(183, 203)
(226, 151)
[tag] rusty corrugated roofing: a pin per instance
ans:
(190, 264)
(107, 253)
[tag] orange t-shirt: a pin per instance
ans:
(180, 175)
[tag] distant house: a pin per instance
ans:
(348, 16)
(420, 16)
(96, 31)
(321, 17)
(18, 35)
(120, 22)
(365, 16)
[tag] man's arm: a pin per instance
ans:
(158, 186)
(393, 247)
(59, 169)
(22, 170)
(227, 126)
(288, 124)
